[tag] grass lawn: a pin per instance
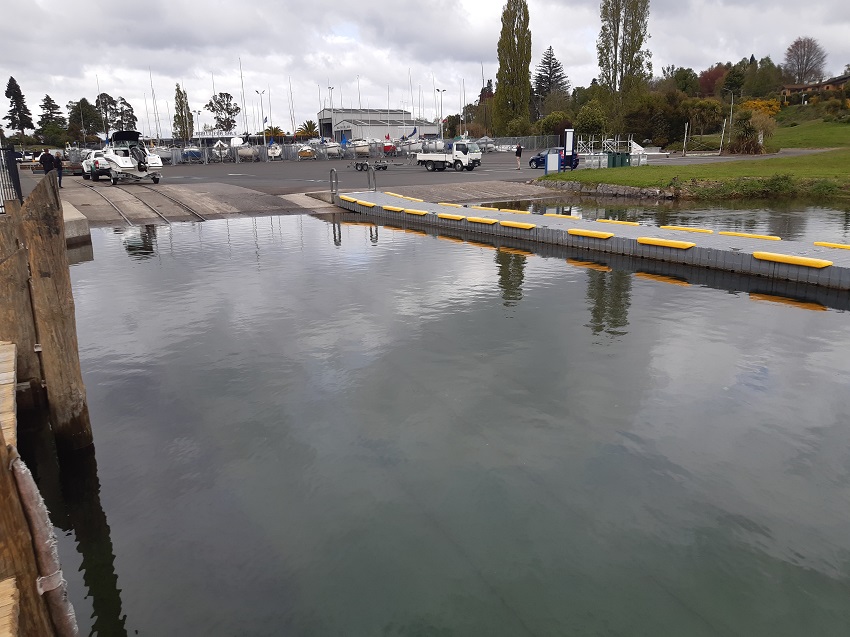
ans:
(814, 134)
(820, 175)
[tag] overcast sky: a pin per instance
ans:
(64, 48)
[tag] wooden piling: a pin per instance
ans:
(17, 558)
(17, 323)
(41, 227)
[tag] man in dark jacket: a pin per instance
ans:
(46, 161)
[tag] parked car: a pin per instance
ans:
(539, 160)
(19, 156)
(95, 166)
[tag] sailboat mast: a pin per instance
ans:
(155, 109)
(244, 112)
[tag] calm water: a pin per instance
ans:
(310, 429)
(789, 220)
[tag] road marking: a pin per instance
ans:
(239, 175)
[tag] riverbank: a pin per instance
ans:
(821, 175)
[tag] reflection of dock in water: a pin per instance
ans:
(800, 295)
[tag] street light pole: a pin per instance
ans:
(441, 91)
(263, 115)
(732, 93)
(331, 91)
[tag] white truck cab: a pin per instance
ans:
(459, 154)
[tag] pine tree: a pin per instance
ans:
(51, 114)
(513, 81)
(183, 120)
(19, 116)
(550, 76)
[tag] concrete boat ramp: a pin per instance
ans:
(821, 263)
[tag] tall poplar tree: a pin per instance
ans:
(623, 62)
(19, 116)
(184, 121)
(513, 88)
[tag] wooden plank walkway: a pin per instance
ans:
(8, 381)
(9, 608)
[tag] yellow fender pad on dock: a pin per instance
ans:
(622, 223)
(515, 212)
(483, 220)
(827, 244)
(453, 205)
(593, 234)
(518, 224)
(393, 194)
(484, 208)
(808, 262)
(747, 235)
(393, 208)
(666, 243)
(413, 211)
(555, 214)
(347, 198)
(368, 204)
(413, 199)
(446, 215)
(687, 229)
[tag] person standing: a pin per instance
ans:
(57, 163)
(46, 161)
(518, 155)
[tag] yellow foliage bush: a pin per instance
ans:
(768, 107)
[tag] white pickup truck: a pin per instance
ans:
(458, 155)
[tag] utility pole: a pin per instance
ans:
(331, 91)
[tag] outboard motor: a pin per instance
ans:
(139, 155)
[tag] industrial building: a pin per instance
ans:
(373, 123)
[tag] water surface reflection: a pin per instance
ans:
(307, 427)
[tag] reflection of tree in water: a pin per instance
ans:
(788, 225)
(143, 245)
(609, 296)
(511, 275)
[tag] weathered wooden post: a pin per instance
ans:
(42, 230)
(16, 550)
(17, 322)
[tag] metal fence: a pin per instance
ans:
(374, 149)
(10, 183)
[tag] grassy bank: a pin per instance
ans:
(823, 175)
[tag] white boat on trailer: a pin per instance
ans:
(130, 160)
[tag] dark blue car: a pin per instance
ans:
(539, 160)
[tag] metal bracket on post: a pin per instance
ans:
(373, 181)
(334, 179)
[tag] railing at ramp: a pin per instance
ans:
(10, 182)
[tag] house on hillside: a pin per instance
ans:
(832, 84)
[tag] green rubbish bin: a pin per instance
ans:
(627, 159)
(618, 160)
(612, 160)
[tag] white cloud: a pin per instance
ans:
(447, 43)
